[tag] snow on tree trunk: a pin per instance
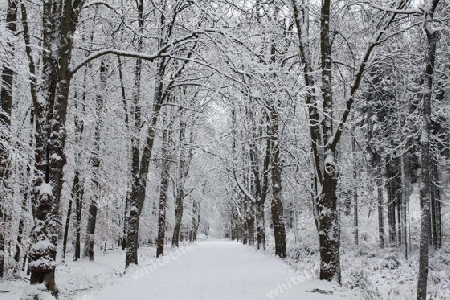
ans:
(162, 207)
(279, 230)
(180, 193)
(5, 123)
(426, 160)
(89, 246)
(59, 23)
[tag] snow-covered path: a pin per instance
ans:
(215, 270)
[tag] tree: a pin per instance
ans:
(325, 136)
(59, 21)
(163, 186)
(432, 36)
(95, 161)
(6, 96)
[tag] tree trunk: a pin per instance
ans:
(195, 219)
(437, 206)
(25, 192)
(59, 23)
(77, 193)
(123, 240)
(404, 205)
(260, 175)
(78, 181)
(376, 163)
(436, 215)
(426, 161)
(393, 187)
(5, 121)
(260, 225)
(355, 190)
(89, 247)
(279, 230)
(251, 229)
(132, 213)
(179, 199)
(163, 193)
(66, 231)
(141, 166)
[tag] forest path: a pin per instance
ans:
(215, 270)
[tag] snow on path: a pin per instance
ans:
(214, 270)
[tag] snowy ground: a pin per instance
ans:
(75, 277)
(220, 269)
(216, 270)
(212, 269)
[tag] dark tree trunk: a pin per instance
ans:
(436, 214)
(324, 144)
(404, 207)
(141, 166)
(59, 23)
(260, 226)
(329, 231)
(279, 230)
(392, 191)
(251, 229)
(179, 190)
(355, 191)
(24, 208)
(195, 219)
(89, 247)
(437, 198)
(123, 240)
(163, 193)
(66, 231)
(426, 160)
(376, 164)
(77, 193)
(329, 238)
(182, 175)
(244, 231)
(25, 191)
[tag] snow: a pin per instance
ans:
(217, 269)
(221, 269)
(46, 188)
(37, 292)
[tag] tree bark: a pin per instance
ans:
(195, 218)
(180, 193)
(426, 161)
(95, 161)
(404, 205)
(163, 193)
(5, 122)
(77, 194)
(376, 164)
(123, 240)
(66, 231)
(59, 23)
(279, 230)
(355, 191)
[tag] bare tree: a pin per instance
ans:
(432, 36)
